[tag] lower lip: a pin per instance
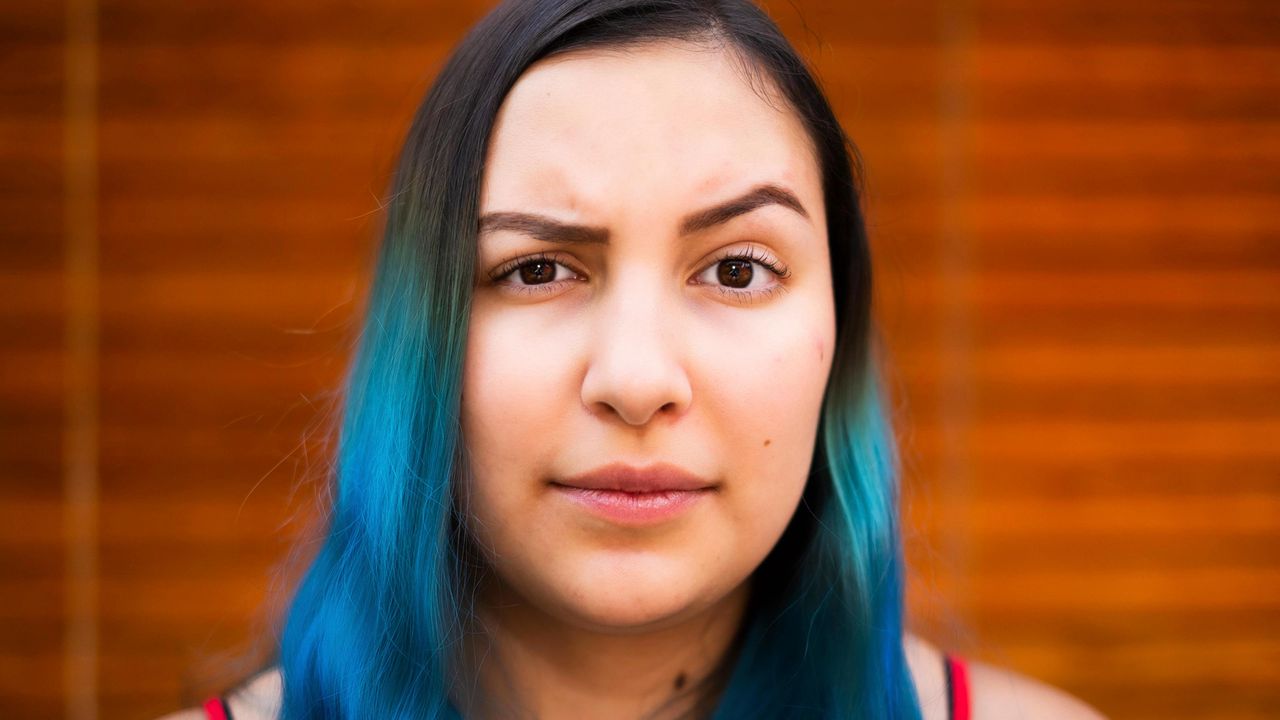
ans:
(638, 508)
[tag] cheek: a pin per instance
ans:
(777, 386)
(512, 391)
(769, 416)
(512, 415)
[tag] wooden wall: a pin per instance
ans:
(1077, 234)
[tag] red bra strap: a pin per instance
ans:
(215, 708)
(957, 687)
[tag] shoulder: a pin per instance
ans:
(995, 693)
(925, 663)
(257, 699)
(999, 694)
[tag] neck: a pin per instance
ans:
(531, 664)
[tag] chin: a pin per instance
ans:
(631, 594)
(625, 618)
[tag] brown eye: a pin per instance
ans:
(735, 273)
(537, 272)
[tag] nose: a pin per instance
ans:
(636, 369)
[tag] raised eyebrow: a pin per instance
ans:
(541, 227)
(759, 196)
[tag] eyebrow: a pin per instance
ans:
(541, 227)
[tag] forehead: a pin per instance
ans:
(657, 122)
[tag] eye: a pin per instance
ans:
(533, 274)
(746, 275)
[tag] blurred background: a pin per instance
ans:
(1076, 223)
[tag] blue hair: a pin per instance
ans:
(375, 625)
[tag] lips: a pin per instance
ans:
(621, 477)
(634, 497)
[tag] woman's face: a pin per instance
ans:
(628, 182)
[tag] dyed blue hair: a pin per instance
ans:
(374, 628)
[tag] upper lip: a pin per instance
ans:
(657, 477)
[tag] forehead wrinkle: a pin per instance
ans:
(546, 229)
(563, 174)
(542, 228)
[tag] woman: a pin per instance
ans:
(613, 445)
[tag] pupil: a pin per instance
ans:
(735, 273)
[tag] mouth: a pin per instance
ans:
(658, 477)
(635, 496)
(633, 508)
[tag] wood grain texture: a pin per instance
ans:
(1075, 214)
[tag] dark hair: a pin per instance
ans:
(373, 630)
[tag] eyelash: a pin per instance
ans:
(751, 254)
